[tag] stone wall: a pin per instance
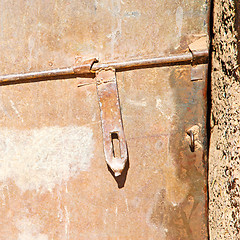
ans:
(224, 168)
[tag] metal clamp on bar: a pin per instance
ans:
(83, 67)
(199, 57)
(199, 51)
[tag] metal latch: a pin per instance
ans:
(115, 146)
(114, 142)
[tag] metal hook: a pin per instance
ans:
(192, 143)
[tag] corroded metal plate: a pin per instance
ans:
(112, 127)
(54, 181)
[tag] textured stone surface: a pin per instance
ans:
(224, 161)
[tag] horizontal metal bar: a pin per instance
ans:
(199, 57)
(34, 75)
(187, 58)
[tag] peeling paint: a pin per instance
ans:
(132, 14)
(15, 110)
(67, 222)
(179, 20)
(176, 189)
(39, 159)
(156, 226)
(165, 104)
(4, 194)
(29, 229)
(141, 103)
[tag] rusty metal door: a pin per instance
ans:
(57, 180)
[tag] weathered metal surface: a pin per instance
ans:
(199, 72)
(91, 66)
(111, 118)
(54, 179)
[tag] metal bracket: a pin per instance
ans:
(199, 72)
(199, 66)
(114, 142)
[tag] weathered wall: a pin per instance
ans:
(54, 182)
(224, 174)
